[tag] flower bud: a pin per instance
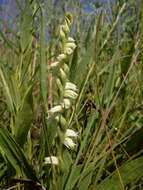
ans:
(62, 33)
(51, 160)
(66, 28)
(69, 18)
(70, 94)
(70, 39)
(68, 51)
(66, 103)
(66, 68)
(63, 74)
(57, 118)
(59, 85)
(117, 83)
(55, 109)
(70, 45)
(63, 121)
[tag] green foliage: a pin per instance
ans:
(130, 173)
(12, 152)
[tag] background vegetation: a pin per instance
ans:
(104, 66)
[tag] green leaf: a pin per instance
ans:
(82, 67)
(67, 162)
(85, 181)
(3, 170)
(74, 178)
(51, 129)
(10, 44)
(23, 118)
(135, 142)
(110, 85)
(130, 172)
(14, 154)
(73, 66)
(129, 50)
(43, 64)
(26, 29)
(7, 90)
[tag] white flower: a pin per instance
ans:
(71, 133)
(70, 94)
(61, 57)
(55, 109)
(68, 142)
(57, 118)
(51, 160)
(70, 86)
(68, 50)
(70, 45)
(54, 64)
(70, 39)
(66, 103)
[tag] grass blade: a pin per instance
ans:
(11, 150)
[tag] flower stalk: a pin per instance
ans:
(66, 90)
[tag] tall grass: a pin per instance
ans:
(71, 97)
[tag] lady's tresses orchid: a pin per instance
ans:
(70, 93)
(68, 141)
(67, 91)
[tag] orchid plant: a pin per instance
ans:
(68, 91)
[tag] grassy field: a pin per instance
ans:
(71, 95)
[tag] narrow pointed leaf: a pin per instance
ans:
(14, 154)
(130, 172)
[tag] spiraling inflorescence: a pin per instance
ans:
(69, 91)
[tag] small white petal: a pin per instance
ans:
(70, 86)
(66, 103)
(68, 142)
(61, 57)
(54, 64)
(69, 51)
(55, 109)
(70, 45)
(70, 94)
(70, 39)
(51, 160)
(57, 118)
(71, 133)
